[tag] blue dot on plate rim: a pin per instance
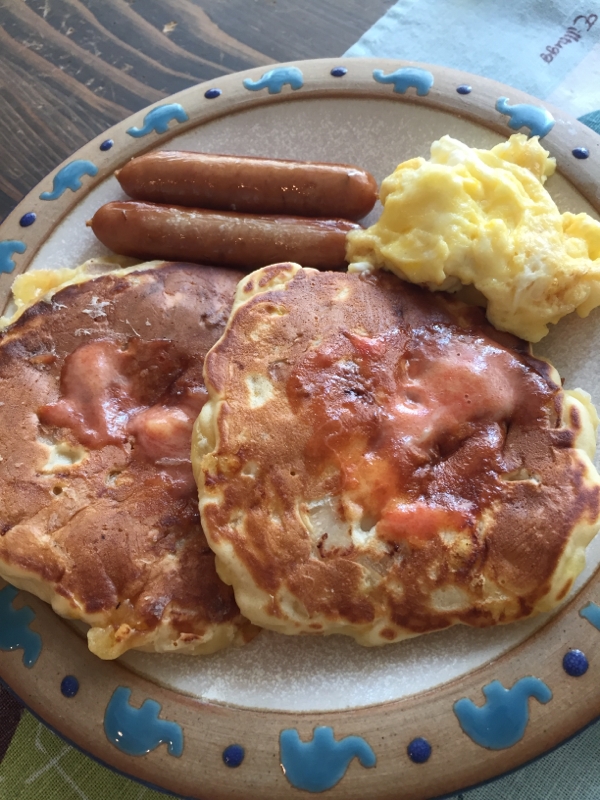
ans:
(106, 144)
(575, 663)
(581, 152)
(419, 750)
(233, 755)
(28, 219)
(210, 94)
(69, 686)
(339, 72)
(464, 88)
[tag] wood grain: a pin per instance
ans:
(72, 68)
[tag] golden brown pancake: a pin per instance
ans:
(100, 386)
(378, 461)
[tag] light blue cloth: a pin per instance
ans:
(550, 49)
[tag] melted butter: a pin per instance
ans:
(419, 522)
(163, 433)
(97, 396)
(111, 396)
(30, 287)
(41, 284)
(415, 423)
(449, 382)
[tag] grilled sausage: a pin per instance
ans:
(250, 185)
(246, 241)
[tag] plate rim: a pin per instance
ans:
(264, 777)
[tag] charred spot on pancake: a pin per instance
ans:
(101, 388)
(382, 462)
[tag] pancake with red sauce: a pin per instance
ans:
(100, 385)
(379, 461)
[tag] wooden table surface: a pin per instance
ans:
(71, 68)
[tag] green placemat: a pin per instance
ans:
(39, 765)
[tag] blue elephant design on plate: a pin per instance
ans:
(157, 120)
(15, 632)
(502, 719)
(69, 177)
(407, 78)
(318, 765)
(275, 79)
(7, 249)
(591, 612)
(137, 731)
(524, 115)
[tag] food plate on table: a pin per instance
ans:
(286, 715)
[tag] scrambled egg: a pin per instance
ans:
(483, 218)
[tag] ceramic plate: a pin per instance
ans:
(287, 716)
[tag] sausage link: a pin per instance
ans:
(247, 241)
(250, 185)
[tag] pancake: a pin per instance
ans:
(378, 461)
(101, 382)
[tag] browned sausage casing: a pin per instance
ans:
(247, 241)
(250, 185)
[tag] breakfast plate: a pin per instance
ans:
(286, 716)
